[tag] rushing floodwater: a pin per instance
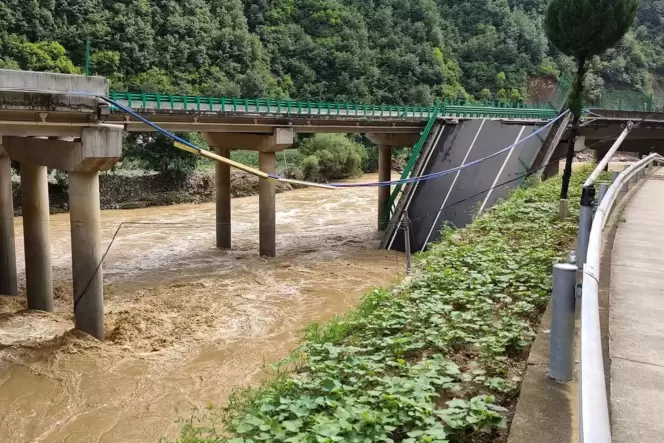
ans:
(186, 323)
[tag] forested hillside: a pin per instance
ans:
(376, 51)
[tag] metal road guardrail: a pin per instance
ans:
(595, 426)
(167, 102)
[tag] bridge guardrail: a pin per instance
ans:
(414, 156)
(452, 108)
(595, 426)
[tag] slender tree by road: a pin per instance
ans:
(581, 29)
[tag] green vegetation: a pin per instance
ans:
(373, 51)
(436, 359)
(370, 51)
(581, 29)
(325, 157)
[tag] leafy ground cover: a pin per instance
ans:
(436, 359)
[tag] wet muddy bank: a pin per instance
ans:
(133, 189)
(186, 324)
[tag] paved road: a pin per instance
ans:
(637, 319)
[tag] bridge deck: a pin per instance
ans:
(637, 319)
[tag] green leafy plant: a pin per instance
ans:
(431, 360)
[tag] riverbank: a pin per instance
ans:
(141, 189)
(437, 358)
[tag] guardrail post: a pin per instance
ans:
(561, 364)
(585, 222)
(406, 236)
(603, 188)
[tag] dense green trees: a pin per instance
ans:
(375, 51)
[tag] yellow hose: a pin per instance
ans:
(245, 168)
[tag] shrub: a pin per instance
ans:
(310, 168)
(331, 156)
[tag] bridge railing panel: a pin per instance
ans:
(453, 108)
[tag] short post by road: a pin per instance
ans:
(561, 365)
(614, 176)
(627, 184)
(406, 236)
(585, 222)
(603, 189)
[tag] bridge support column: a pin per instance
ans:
(8, 282)
(267, 207)
(385, 144)
(223, 185)
(86, 252)
(384, 174)
(36, 237)
(267, 146)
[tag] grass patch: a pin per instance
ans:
(438, 359)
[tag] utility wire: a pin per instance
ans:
(532, 171)
(190, 147)
(500, 185)
(77, 299)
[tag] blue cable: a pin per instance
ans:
(451, 170)
(157, 128)
(427, 177)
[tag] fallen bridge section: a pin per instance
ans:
(457, 197)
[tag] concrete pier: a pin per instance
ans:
(384, 174)
(267, 207)
(8, 283)
(223, 185)
(37, 237)
(86, 252)
(267, 146)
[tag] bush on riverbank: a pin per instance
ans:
(438, 359)
(326, 157)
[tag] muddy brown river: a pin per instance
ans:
(186, 324)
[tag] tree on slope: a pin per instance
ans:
(581, 29)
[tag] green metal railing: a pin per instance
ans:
(630, 101)
(558, 98)
(613, 99)
(451, 108)
(414, 156)
(266, 106)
